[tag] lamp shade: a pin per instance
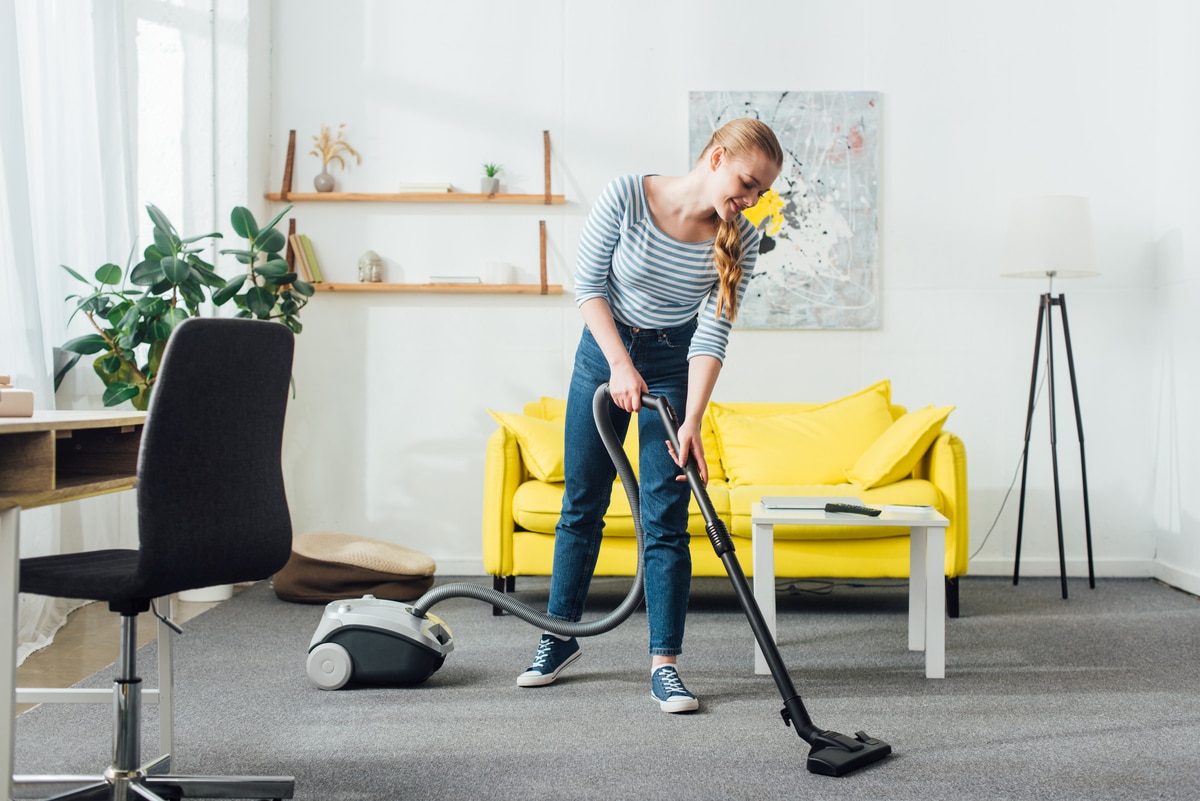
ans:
(1051, 234)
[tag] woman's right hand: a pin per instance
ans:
(626, 387)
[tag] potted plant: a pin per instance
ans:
(489, 184)
(134, 311)
(329, 149)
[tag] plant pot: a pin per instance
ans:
(324, 181)
(489, 186)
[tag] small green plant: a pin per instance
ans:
(134, 311)
(492, 170)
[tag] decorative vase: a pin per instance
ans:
(324, 181)
(489, 186)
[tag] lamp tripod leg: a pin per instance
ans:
(1087, 516)
(1062, 555)
(1037, 346)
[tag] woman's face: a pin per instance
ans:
(737, 183)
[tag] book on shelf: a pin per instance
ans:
(310, 257)
(301, 263)
(433, 186)
(455, 279)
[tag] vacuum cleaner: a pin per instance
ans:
(373, 641)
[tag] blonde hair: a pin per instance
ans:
(738, 137)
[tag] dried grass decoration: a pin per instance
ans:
(330, 149)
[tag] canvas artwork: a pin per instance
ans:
(819, 262)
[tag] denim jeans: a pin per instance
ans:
(660, 355)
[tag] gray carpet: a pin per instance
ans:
(1097, 697)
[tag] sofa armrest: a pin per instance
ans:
(945, 466)
(503, 472)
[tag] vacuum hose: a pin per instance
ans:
(601, 404)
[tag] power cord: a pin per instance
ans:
(1037, 396)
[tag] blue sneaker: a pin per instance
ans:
(667, 688)
(552, 656)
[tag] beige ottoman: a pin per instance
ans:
(329, 566)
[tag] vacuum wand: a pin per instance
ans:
(833, 753)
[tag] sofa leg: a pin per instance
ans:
(952, 597)
(506, 585)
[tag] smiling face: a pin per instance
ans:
(737, 182)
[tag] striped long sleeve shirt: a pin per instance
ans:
(649, 279)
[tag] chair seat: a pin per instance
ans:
(95, 575)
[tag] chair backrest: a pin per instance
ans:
(211, 503)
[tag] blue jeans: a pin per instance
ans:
(660, 355)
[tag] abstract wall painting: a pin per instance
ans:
(819, 262)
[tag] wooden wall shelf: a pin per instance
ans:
(464, 289)
(415, 197)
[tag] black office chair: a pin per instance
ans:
(211, 511)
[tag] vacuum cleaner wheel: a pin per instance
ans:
(329, 666)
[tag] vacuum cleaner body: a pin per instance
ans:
(373, 641)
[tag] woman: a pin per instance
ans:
(663, 262)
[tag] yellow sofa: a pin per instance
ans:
(861, 445)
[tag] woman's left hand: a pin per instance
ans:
(690, 443)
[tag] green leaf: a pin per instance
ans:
(160, 220)
(109, 274)
(155, 357)
(160, 329)
(197, 238)
(176, 271)
(110, 363)
(272, 267)
(271, 241)
(304, 288)
(147, 273)
(205, 274)
(72, 272)
(243, 223)
(119, 392)
(163, 242)
(176, 316)
(222, 295)
(260, 301)
(154, 254)
(276, 220)
(66, 368)
(151, 305)
(88, 343)
(294, 324)
(280, 280)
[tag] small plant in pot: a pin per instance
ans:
(134, 311)
(489, 184)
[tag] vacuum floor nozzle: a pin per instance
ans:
(835, 754)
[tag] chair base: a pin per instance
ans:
(150, 786)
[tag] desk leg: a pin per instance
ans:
(927, 599)
(10, 540)
(918, 539)
(935, 603)
(762, 550)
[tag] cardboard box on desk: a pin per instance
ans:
(14, 402)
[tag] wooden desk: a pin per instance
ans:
(55, 457)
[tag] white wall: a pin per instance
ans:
(981, 102)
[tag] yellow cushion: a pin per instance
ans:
(896, 452)
(541, 443)
(804, 447)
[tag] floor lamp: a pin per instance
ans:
(1051, 236)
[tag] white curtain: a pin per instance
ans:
(69, 188)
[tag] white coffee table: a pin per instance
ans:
(926, 571)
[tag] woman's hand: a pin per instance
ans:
(691, 444)
(626, 387)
